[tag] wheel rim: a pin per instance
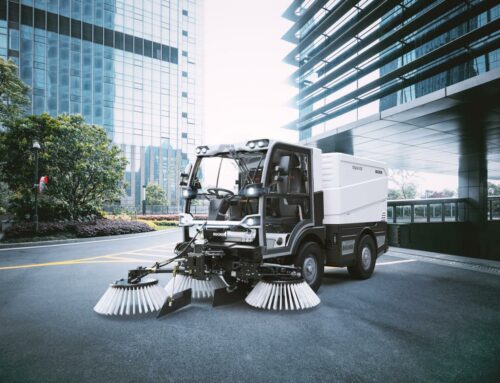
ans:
(310, 269)
(366, 257)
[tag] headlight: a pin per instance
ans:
(185, 219)
(204, 150)
(189, 193)
(261, 144)
(251, 191)
(251, 145)
(252, 221)
(198, 150)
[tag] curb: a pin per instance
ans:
(79, 240)
(466, 263)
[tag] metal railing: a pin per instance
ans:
(494, 207)
(137, 210)
(436, 210)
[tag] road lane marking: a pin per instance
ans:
(115, 257)
(57, 263)
(395, 262)
(151, 255)
(120, 257)
(97, 241)
(467, 264)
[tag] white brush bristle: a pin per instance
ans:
(122, 300)
(282, 296)
(200, 289)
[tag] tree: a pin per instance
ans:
(4, 197)
(445, 193)
(155, 195)
(13, 92)
(393, 194)
(493, 189)
(83, 167)
(403, 179)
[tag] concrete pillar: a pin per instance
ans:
(341, 143)
(473, 178)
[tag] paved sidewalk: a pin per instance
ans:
(466, 263)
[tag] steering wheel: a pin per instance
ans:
(217, 192)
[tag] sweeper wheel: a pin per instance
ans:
(312, 261)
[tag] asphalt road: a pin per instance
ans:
(412, 321)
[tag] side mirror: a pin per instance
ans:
(185, 175)
(252, 191)
(189, 193)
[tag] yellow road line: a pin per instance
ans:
(71, 262)
(58, 263)
(123, 258)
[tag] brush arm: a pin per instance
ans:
(135, 275)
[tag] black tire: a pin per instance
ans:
(312, 261)
(366, 257)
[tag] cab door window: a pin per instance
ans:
(288, 201)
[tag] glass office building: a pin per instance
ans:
(130, 66)
(357, 58)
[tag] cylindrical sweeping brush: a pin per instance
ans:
(126, 298)
(282, 295)
(200, 288)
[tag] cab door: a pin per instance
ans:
(288, 201)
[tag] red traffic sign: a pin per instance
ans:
(42, 185)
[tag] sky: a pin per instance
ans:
(245, 83)
(245, 87)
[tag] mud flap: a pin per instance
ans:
(176, 302)
(226, 295)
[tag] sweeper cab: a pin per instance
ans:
(261, 221)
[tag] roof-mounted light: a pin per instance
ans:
(258, 143)
(201, 149)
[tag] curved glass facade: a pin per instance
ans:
(131, 66)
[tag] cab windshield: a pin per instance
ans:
(218, 180)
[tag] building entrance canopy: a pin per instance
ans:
(430, 133)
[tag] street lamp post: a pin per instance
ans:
(144, 199)
(36, 148)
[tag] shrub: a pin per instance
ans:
(167, 217)
(102, 227)
(95, 228)
(167, 223)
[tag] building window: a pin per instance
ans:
(184, 115)
(185, 12)
(185, 33)
(184, 74)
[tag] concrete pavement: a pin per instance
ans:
(412, 321)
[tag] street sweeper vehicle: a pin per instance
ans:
(261, 221)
